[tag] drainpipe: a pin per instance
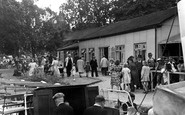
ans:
(156, 45)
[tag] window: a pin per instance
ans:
(120, 53)
(140, 49)
(91, 53)
(83, 53)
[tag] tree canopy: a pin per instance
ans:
(26, 28)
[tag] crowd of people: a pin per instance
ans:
(27, 65)
(135, 73)
(81, 66)
(131, 75)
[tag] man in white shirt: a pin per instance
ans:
(104, 65)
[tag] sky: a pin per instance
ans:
(53, 4)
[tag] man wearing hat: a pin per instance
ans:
(97, 108)
(62, 108)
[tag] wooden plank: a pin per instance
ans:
(13, 110)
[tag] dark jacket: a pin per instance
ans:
(93, 64)
(95, 110)
(126, 105)
(64, 109)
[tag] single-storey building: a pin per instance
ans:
(132, 37)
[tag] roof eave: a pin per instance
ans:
(125, 32)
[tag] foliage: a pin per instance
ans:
(82, 14)
(51, 79)
(26, 28)
(126, 9)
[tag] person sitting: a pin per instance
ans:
(126, 107)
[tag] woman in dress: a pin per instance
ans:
(80, 66)
(55, 65)
(115, 75)
(32, 65)
(145, 72)
(126, 77)
(73, 71)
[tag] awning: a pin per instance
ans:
(70, 47)
(172, 40)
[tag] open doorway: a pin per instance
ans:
(173, 50)
(104, 51)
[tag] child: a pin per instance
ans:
(126, 77)
(87, 69)
(145, 72)
(73, 71)
(164, 71)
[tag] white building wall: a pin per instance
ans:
(151, 45)
(147, 36)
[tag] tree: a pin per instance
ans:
(81, 14)
(126, 9)
(24, 27)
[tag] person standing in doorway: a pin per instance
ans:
(104, 65)
(69, 62)
(94, 66)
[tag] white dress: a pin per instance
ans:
(32, 66)
(145, 72)
(165, 75)
(126, 75)
(73, 71)
(55, 65)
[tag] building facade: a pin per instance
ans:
(156, 33)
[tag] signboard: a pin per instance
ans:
(181, 13)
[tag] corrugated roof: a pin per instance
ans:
(126, 26)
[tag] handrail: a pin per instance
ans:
(120, 91)
(183, 73)
(17, 108)
(168, 75)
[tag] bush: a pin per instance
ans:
(44, 77)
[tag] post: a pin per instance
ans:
(151, 83)
(25, 104)
(168, 75)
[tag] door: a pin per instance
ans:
(42, 102)
(91, 92)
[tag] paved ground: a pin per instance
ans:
(102, 81)
(105, 84)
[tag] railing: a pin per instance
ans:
(152, 72)
(16, 104)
